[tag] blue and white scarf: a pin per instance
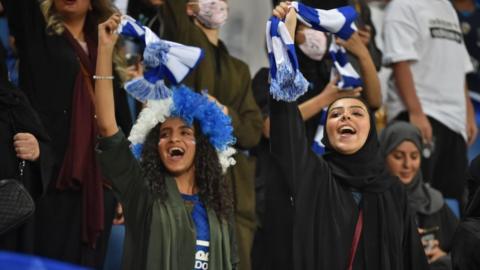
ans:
(161, 59)
(339, 22)
(286, 81)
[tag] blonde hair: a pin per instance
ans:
(101, 10)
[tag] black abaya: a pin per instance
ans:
(326, 213)
(466, 241)
(16, 115)
(48, 71)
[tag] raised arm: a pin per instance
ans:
(288, 141)
(368, 72)
(113, 153)
(104, 101)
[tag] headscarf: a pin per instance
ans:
(421, 197)
(364, 172)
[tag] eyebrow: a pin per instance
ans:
(181, 127)
(351, 107)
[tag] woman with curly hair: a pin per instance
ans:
(177, 205)
(57, 46)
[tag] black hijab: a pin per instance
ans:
(365, 172)
(421, 197)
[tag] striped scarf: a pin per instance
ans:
(161, 59)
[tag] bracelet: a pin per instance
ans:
(98, 77)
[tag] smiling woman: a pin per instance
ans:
(176, 202)
(401, 145)
(345, 199)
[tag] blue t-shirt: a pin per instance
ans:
(200, 218)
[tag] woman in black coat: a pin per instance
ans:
(57, 47)
(349, 211)
(23, 141)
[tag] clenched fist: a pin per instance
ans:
(26, 146)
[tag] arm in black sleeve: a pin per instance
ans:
(120, 166)
(414, 257)
(289, 143)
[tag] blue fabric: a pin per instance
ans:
(286, 81)
(454, 206)
(200, 218)
(16, 261)
(311, 15)
(162, 59)
(318, 147)
(113, 258)
(214, 124)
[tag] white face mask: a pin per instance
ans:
(212, 13)
(315, 44)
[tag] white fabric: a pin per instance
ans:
(427, 33)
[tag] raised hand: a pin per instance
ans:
(331, 92)
(354, 45)
(283, 11)
(107, 36)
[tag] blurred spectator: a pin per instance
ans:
(423, 44)
(228, 81)
(401, 145)
(466, 242)
(148, 13)
(469, 16)
(22, 137)
(57, 45)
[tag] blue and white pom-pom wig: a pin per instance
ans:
(175, 61)
(189, 106)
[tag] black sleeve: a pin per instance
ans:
(448, 227)
(25, 20)
(413, 253)
(120, 166)
(289, 144)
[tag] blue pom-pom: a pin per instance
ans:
(214, 124)
(288, 85)
(143, 90)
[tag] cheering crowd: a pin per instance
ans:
(144, 121)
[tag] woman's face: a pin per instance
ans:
(348, 125)
(72, 8)
(176, 146)
(404, 161)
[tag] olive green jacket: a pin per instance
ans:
(228, 80)
(159, 234)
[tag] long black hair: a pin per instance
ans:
(212, 185)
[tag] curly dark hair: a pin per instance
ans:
(213, 189)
